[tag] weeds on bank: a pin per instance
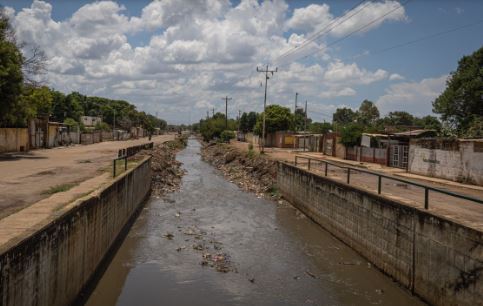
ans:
(59, 188)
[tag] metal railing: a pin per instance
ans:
(130, 151)
(124, 154)
(381, 176)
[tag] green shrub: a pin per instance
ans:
(227, 135)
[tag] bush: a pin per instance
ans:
(351, 135)
(227, 135)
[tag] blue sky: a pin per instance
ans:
(154, 57)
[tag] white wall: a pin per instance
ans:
(463, 165)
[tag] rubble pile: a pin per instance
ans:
(166, 169)
(251, 172)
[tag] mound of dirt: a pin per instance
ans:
(250, 171)
(167, 172)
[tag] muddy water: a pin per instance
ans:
(276, 255)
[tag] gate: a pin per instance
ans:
(399, 156)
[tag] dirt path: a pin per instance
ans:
(27, 178)
(462, 211)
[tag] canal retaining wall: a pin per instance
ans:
(51, 266)
(437, 259)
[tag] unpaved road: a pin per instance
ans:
(24, 178)
(273, 254)
(459, 210)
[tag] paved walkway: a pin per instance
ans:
(26, 178)
(459, 210)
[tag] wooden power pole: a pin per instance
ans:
(226, 110)
(266, 71)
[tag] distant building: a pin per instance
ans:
(90, 121)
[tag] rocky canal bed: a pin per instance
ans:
(167, 171)
(250, 171)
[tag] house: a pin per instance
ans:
(390, 149)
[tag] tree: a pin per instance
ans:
(350, 134)
(11, 61)
(248, 121)
(461, 103)
(278, 118)
(38, 100)
(428, 122)
(368, 113)
(320, 127)
(343, 116)
(399, 118)
(213, 127)
(299, 119)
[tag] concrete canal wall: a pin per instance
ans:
(437, 259)
(51, 266)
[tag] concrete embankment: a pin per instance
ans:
(437, 259)
(51, 266)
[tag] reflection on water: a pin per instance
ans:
(281, 257)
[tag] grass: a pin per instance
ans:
(120, 166)
(59, 188)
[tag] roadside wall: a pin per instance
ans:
(438, 260)
(456, 160)
(14, 140)
(51, 266)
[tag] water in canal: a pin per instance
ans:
(276, 255)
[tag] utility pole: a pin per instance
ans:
(226, 110)
(295, 109)
(213, 112)
(305, 125)
(207, 114)
(239, 120)
(266, 71)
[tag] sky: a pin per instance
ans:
(178, 59)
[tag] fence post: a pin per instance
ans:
(125, 163)
(295, 160)
(326, 168)
(348, 175)
(379, 184)
(308, 165)
(114, 168)
(426, 198)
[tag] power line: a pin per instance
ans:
(355, 31)
(324, 30)
(423, 38)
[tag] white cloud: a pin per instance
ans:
(396, 77)
(334, 92)
(338, 72)
(310, 17)
(413, 97)
(318, 18)
(197, 51)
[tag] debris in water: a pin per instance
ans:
(296, 277)
(310, 274)
(169, 236)
(198, 247)
(251, 280)
(379, 291)
(181, 248)
(178, 214)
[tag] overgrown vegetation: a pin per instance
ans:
(23, 97)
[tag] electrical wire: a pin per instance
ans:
(324, 31)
